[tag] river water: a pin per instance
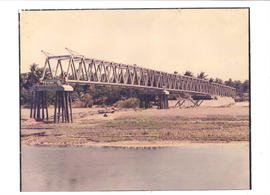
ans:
(190, 167)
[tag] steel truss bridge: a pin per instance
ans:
(82, 70)
(61, 71)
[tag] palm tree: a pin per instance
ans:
(217, 80)
(33, 76)
(245, 86)
(229, 83)
(188, 73)
(202, 75)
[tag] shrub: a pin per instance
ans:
(25, 97)
(128, 103)
(88, 100)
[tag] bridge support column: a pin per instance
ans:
(39, 105)
(62, 107)
(62, 103)
(145, 101)
(163, 101)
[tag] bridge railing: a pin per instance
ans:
(78, 69)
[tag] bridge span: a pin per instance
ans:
(81, 70)
(61, 71)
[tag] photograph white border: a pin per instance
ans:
(260, 80)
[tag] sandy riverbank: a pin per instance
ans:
(141, 128)
(158, 144)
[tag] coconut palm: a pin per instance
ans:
(202, 75)
(188, 73)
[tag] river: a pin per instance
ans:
(189, 167)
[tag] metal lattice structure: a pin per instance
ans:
(78, 69)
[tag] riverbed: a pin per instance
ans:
(187, 167)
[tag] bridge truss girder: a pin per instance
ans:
(81, 70)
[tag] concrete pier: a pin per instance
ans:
(163, 101)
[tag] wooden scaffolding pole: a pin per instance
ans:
(38, 105)
(62, 104)
(35, 103)
(32, 99)
(42, 104)
(55, 106)
(59, 105)
(70, 106)
(66, 106)
(46, 105)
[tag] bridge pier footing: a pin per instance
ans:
(146, 98)
(145, 101)
(62, 103)
(163, 101)
(39, 105)
(62, 107)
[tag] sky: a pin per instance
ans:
(214, 41)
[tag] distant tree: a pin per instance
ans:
(219, 81)
(211, 80)
(188, 73)
(229, 83)
(33, 76)
(23, 79)
(237, 84)
(202, 75)
(241, 88)
(27, 80)
(245, 86)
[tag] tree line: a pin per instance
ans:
(86, 95)
(242, 88)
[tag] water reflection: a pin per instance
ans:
(98, 168)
